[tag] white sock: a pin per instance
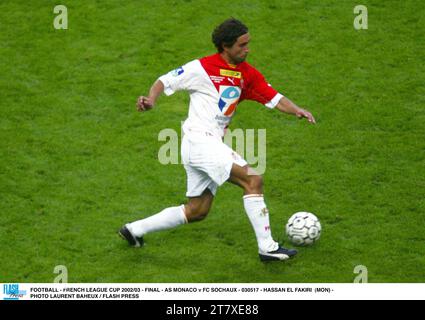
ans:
(258, 214)
(166, 219)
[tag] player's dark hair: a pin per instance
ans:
(227, 33)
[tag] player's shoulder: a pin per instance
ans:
(250, 73)
(191, 66)
(192, 63)
(248, 68)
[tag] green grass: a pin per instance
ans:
(77, 160)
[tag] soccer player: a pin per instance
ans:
(216, 84)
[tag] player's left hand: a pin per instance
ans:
(305, 114)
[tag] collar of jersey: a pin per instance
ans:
(233, 66)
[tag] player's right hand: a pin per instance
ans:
(144, 104)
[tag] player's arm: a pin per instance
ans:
(287, 106)
(147, 103)
(182, 78)
(263, 92)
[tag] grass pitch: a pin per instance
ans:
(77, 161)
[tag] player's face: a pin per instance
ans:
(239, 51)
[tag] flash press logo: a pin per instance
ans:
(11, 292)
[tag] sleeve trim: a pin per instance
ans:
(273, 102)
(167, 88)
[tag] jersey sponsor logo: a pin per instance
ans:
(229, 98)
(230, 73)
(177, 72)
(217, 79)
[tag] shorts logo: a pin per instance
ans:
(229, 98)
(177, 72)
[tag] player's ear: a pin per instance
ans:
(225, 47)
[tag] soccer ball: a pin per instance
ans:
(303, 229)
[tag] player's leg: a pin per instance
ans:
(166, 219)
(200, 192)
(196, 209)
(246, 178)
(256, 209)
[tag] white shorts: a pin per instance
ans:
(208, 162)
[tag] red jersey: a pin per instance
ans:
(216, 88)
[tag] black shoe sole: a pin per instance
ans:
(269, 258)
(126, 235)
